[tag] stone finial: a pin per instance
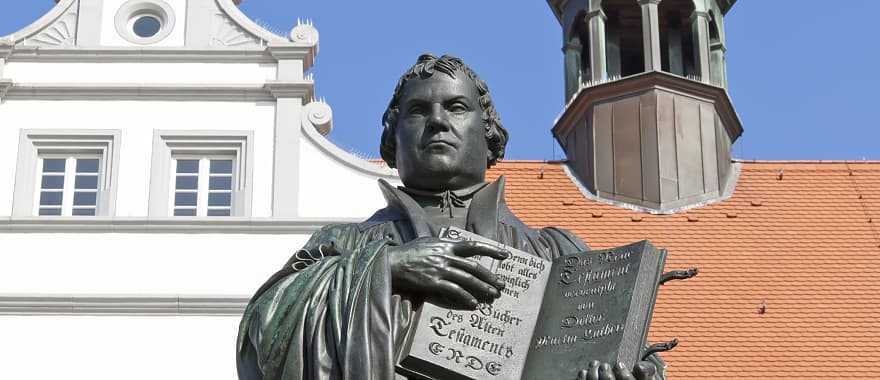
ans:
(304, 33)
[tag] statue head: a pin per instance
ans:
(441, 130)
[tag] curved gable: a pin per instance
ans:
(56, 28)
(203, 24)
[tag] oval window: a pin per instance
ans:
(146, 26)
(144, 22)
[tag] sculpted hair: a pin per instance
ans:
(425, 67)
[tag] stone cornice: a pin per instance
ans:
(138, 91)
(70, 304)
(242, 225)
(160, 91)
(588, 96)
(5, 85)
(6, 47)
(304, 89)
(300, 52)
(288, 51)
(136, 54)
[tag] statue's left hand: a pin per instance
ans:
(603, 371)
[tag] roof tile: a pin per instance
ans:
(802, 246)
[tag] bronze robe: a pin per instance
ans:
(330, 314)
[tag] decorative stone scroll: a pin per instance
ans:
(318, 115)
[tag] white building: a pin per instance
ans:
(159, 159)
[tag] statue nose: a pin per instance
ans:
(437, 119)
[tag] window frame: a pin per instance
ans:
(37, 144)
(170, 145)
(68, 190)
(203, 177)
(132, 10)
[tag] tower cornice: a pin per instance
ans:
(558, 5)
(589, 96)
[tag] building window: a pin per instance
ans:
(68, 186)
(202, 186)
(144, 22)
(146, 26)
(66, 173)
(201, 174)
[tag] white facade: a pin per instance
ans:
(105, 106)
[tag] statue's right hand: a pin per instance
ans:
(602, 371)
(438, 271)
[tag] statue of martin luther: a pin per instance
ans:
(342, 305)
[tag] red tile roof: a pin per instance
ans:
(806, 244)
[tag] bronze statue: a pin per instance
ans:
(341, 306)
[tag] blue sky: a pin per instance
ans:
(803, 75)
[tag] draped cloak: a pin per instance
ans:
(329, 313)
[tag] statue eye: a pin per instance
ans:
(458, 107)
(416, 110)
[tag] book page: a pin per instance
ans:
(490, 342)
(597, 306)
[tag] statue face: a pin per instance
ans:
(440, 134)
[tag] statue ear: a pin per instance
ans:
(490, 155)
(388, 147)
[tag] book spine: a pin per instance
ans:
(542, 317)
(641, 306)
(660, 266)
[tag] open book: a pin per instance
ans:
(552, 318)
